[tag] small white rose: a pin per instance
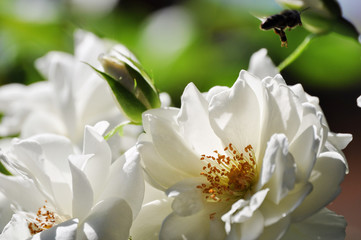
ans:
(59, 194)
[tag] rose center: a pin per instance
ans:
(230, 176)
(44, 219)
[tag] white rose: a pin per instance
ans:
(246, 162)
(58, 194)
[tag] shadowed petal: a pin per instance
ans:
(326, 177)
(63, 231)
(157, 211)
(82, 191)
(16, 229)
(192, 227)
(194, 122)
(241, 127)
(188, 198)
(126, 180)
(172, 147)
(324, 225)
(110, 219)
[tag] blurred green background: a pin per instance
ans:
(204, 41)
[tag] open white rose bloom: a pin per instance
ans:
(73, 95)
(58, 194)
(254, 161)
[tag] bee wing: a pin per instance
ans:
(262, 18)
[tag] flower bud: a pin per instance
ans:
(322, 16)
(133, 89)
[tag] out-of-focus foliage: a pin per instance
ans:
(322, 16)
(204, 41)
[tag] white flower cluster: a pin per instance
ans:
(251, 161)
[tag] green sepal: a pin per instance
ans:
(346, 28)
(144, 82)
(127, 102)
(141, 83)
(333, 7)
(117, 129)
(3, 170)
(316, 23)
(340, 24)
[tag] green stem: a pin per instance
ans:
(118, 128)
(296, 53)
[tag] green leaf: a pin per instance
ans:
(3, 170)
(128, 103)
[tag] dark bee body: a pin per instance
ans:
(279, 22)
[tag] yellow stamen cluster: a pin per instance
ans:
(230, 175)
(44, 220)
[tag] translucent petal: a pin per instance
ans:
(60, 74)
(188, 198)
(324, 225)
(304, 150)
(261, 64)
(82, 192)
(242, 210)
(173, 148)
(235, 114)
(94, 102)
(168, 114)
(272, 213)
(157, 211)
(56, 150)
(5, 211)
(326, 177)
(109, 219)
(285, 109)
(39, 122)
(16, 229)
(126, 181)
(44, 63)
(214, 91)
(27, 158)
(279, 174)
(154, 164)
(276, 230)
(98, 166)
(194, 123)
(191, 227)
(63, 231)
(253, 227)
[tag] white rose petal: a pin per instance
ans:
(250, 160)
(72, 195)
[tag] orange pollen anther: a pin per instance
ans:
(230, 175)
(44, 220)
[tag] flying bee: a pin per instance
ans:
(279, 22)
